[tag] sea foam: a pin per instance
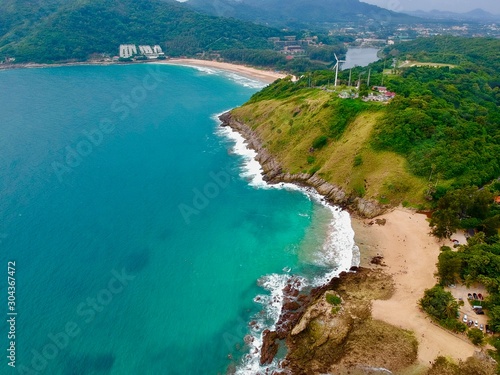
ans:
(235, 77)
(338, 252)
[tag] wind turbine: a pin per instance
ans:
(336, 67)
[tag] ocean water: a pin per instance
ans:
(143, 237)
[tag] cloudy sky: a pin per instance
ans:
(492, 6)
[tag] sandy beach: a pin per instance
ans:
(267, 76)
(410, 255)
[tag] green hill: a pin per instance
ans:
(441, 132)
(56, 30)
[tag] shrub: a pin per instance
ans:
(476, 336)
(334, 300)
(358, 160)
(359, 191)
(314, 169)
(320, 142)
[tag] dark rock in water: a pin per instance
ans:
(291, 306)
(269, 347)
(291, 290)
(248, 339)
(286, 322)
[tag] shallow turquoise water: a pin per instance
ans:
(108, 171)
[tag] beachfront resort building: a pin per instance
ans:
(130, 50)
(146, 50)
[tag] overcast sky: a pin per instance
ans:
(492, 6)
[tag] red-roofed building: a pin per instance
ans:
(381, 89)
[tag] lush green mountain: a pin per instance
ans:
(55, 30)
(300, 13)
(441, 132)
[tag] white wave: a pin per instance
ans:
(235, 77)
(204, 69)
(250, 169)
(338, 252)
(245, 81)
(339, 249)
(272, 304)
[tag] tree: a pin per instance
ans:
(494, 315)
(449, 267)
(444, 223)
(439, 303)
(476, 336)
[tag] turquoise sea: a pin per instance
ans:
(140, 231)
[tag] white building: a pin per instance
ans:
(146, 50)
(157, 49)
(127, 50)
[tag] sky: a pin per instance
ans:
(459, 6)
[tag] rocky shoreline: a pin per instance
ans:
(301, 307)
(340, 337)
(274, 174)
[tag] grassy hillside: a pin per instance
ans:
(440, 133)
(295, 127)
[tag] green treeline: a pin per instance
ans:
(77, 29)
(445, 122)
(468, 208)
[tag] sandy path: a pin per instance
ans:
(411, 256)
(266, 76)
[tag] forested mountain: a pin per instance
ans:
(55, 30)
(299, 13)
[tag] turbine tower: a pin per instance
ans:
(336, 67)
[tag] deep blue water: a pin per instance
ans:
(137, 244)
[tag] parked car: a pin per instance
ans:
(481, 327)
(476, 324)
(480, 296)
(469, 296)
(465, 318)
(474, 295)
